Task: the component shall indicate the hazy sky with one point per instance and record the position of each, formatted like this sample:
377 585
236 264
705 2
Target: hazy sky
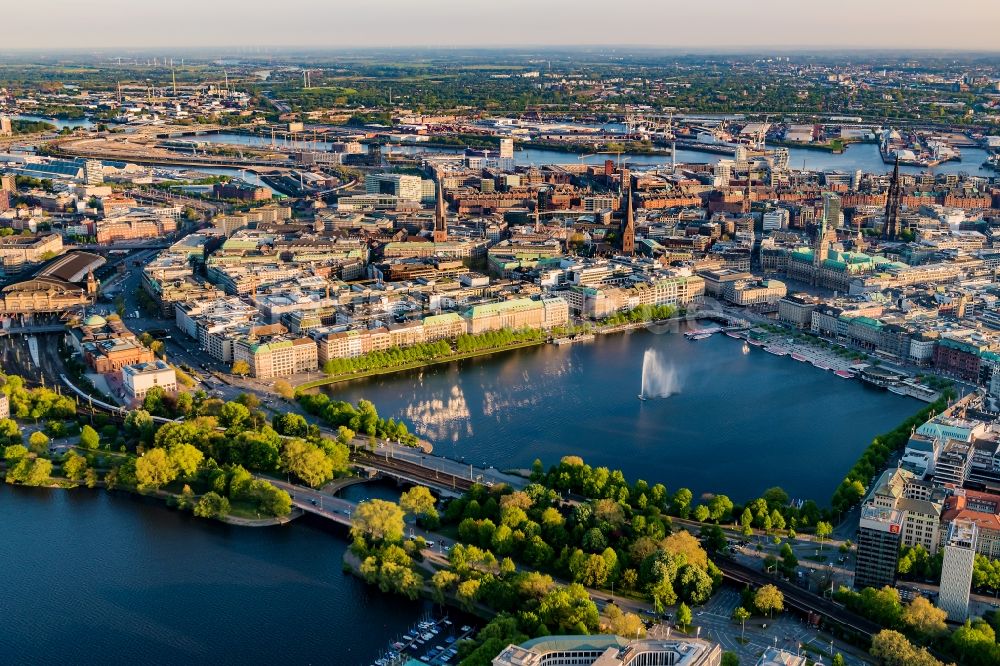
706 24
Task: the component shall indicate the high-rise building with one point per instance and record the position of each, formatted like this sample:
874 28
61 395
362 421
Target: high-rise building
831 211
6 126
8 182
956 569
879 534
507 148
93 172
402 186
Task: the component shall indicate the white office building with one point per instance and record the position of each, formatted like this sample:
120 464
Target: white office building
956 569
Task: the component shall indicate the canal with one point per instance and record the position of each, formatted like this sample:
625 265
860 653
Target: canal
733 423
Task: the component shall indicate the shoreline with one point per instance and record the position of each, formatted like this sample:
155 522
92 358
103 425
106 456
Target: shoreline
415 365
164 497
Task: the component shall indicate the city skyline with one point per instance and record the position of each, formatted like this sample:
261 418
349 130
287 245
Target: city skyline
781 25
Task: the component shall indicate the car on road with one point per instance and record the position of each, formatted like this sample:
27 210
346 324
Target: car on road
313 502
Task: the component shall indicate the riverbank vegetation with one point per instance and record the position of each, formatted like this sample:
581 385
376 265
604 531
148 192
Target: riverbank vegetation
873 460
362 419
433 352
641 314
200 464
972 644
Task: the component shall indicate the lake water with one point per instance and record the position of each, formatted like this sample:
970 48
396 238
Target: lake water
737 424
93 577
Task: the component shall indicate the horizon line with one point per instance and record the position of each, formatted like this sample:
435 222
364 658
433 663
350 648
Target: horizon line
756 49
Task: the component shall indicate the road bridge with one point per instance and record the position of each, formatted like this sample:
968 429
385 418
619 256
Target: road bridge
32 330
99 247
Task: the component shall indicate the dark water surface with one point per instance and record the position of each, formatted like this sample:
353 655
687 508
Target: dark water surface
93 577
738 424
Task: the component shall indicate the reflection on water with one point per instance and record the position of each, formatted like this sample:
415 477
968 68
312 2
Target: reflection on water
743 422
441 417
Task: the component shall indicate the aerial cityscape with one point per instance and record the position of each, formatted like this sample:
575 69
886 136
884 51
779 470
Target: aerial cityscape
604 336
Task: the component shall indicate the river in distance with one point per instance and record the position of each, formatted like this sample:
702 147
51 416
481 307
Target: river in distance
733 423
95 577
864 156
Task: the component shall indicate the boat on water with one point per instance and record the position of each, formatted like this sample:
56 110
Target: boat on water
583 337
701 333
746 348
777 351
843 374
735 336
643 398
820 366
881 377
799 357
756 343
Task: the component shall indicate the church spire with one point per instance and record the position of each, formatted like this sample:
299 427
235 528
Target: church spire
892 201
628 231
440 215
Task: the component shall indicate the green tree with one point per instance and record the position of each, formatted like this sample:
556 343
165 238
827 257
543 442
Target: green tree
306 461
38 443
682 502
730 659
442 583
892 648
379 520
741 615
769 599
823 530
284 389
89 439
694 584
241 368
212 505
74 466
418 501
626 625
924 618
15 452
185 458
154 469
467 592
683 616
233 415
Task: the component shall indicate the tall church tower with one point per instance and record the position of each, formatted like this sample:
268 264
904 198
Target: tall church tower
892 202
440 216
628 230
